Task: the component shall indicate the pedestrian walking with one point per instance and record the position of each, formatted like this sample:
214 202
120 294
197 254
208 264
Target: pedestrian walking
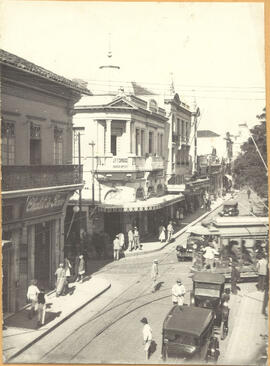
154 274
116 248
235 277
60 274
136 238
76 267
67 267
121 238
162 234
41 307
169 231
81 269
130 240
248 193
178 293
262 272
147 337
32 296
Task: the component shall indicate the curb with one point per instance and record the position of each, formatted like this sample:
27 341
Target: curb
181 231
56 325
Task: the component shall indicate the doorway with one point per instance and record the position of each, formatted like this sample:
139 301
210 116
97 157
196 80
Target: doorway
112 224
43 253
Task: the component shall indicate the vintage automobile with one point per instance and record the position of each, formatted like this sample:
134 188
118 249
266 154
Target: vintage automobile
230 208
208 289
188 332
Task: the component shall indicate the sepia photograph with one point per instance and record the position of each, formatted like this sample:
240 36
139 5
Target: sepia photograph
134 183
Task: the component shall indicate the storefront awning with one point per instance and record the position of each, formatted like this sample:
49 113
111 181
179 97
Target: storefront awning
150 204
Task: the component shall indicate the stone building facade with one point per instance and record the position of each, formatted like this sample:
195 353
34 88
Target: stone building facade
129 163
38 177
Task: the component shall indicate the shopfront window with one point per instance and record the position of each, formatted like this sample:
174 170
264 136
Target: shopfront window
8 142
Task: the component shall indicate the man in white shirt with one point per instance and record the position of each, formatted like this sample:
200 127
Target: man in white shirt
209 255
147 337
262 272
178 293
32 296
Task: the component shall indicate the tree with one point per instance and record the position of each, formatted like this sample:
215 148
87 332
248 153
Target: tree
248 168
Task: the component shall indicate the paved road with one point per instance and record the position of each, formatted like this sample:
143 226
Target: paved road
109 329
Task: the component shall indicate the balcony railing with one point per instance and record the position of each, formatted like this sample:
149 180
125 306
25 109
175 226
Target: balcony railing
131 163
15 177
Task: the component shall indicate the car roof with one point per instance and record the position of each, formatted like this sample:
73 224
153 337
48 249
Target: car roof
230 203
209 277
188 319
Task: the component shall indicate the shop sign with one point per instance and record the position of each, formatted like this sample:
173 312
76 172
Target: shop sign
41 205
120 163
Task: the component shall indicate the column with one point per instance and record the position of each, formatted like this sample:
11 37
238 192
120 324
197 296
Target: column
108 137
133 138
128 136
61 234
139 143
31 250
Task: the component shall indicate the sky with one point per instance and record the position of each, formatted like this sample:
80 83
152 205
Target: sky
213 51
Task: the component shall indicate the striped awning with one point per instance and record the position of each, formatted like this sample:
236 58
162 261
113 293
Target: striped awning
151 204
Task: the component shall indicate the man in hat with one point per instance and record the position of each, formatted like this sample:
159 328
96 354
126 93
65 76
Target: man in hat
136 236
235 277
154 274
169 231
147 337
116 248
262 272
178 293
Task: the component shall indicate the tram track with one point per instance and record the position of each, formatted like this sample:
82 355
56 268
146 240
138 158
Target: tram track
120 301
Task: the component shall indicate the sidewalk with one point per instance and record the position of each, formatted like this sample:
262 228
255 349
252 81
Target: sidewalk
155 246
22 332
245 342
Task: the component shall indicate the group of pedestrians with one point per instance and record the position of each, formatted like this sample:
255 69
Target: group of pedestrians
119 244
163 236
36 296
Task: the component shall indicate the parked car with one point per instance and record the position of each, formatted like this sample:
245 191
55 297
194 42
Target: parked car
208 289
230 208
188 332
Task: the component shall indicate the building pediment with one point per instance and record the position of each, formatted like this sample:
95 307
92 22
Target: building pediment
121 103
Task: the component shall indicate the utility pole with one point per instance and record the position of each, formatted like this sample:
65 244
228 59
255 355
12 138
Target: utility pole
80 191
77 134
92 144
196 114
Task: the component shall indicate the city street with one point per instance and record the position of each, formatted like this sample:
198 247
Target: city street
109 329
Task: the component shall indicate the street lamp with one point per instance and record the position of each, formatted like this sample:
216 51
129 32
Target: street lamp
76 209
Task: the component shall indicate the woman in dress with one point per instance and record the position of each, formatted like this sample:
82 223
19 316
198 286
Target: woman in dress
60 279
67 267
162 234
